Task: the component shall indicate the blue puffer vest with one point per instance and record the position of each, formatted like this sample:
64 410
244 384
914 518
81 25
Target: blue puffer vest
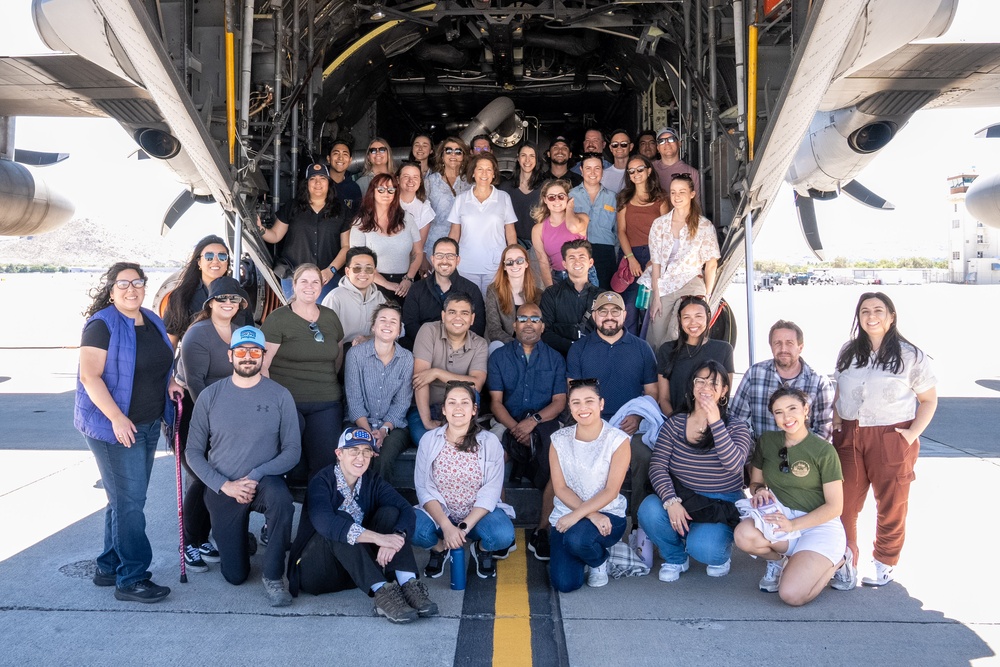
119 371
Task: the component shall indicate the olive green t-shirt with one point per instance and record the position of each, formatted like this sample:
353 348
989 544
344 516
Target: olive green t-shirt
812 463
302 365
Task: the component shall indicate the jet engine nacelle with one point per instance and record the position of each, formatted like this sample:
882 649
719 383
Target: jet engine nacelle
27 205
983 200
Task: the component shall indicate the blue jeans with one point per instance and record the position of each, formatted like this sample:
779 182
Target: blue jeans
494 531
125 475
416 425
708 543
579 546
633 319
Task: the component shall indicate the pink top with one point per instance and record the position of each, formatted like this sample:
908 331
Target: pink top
458 477
553 238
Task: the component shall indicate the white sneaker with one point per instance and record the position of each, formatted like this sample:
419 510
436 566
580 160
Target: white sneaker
598 576
719 570
883 575
845 578
672 571
769 582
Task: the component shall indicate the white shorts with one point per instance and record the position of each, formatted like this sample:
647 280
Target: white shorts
827 539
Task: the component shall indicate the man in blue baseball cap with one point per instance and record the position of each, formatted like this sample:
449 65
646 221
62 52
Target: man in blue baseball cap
668 145
254 430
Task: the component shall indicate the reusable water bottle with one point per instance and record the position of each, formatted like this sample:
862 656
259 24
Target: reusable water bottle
458 568
642 298
644 547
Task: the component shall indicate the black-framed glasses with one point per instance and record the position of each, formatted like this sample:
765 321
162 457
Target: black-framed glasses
378 149
534 319
783 453
209 256
231 298
557 197
252 352
454 151
317 334
137 283
584 382
370 270
512 262
619 144
636 170
382 190
445 255
666 140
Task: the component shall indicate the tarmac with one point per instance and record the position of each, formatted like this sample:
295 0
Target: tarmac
942 610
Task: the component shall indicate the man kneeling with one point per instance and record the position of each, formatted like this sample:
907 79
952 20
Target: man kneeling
356 533
254 430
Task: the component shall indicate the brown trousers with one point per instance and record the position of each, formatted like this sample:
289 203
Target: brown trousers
876 457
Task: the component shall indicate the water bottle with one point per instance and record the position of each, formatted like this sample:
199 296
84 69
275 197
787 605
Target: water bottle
458 568
644 547
642 298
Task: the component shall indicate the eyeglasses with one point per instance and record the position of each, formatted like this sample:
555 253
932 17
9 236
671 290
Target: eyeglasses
667 140
317 334
783 453
378 149
454 151
382 190
685 174
481 149
636 170
252 352
359 269
209 256
619 144
445 255
138 283
534 319
355 452
584 382
706 382
558 197
512 262
231 298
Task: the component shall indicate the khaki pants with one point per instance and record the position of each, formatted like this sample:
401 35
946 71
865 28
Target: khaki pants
665 326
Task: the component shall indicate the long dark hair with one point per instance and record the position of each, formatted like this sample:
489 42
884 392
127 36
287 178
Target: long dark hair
859 349
177 317
678 345
430 157
332 207
694 214
654 190
715 372
469 442
439 165
536 174
366 221
101 294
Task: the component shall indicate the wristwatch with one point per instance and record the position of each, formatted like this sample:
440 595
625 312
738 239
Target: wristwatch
464 527
537 417
387 428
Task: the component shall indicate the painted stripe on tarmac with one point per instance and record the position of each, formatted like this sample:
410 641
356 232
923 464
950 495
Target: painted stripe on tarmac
512 634
474 647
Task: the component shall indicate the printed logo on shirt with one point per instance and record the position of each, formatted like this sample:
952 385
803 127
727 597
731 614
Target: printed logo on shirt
800 469
265 408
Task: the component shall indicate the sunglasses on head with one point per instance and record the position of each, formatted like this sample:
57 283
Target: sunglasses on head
378 149
666 140
685 174
124 284
244 352
783 453
636 170
534 319
454 151
512 262
585 382
556 197
231 298
317 334
209 256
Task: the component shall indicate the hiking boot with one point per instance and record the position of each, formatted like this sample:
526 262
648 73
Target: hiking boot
435 565
538 544
769 582
485 567
502 554
209 553
415 594
276 591
845 578
389 602
193 560
104 579
142 591
719 570
598 576
251 544
673 571
883 575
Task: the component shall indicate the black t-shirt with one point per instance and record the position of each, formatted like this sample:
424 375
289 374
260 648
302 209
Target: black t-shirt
522 203
686 361
312 237
153 358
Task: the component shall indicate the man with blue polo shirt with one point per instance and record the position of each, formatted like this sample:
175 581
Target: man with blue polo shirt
600 204
625 366
527 383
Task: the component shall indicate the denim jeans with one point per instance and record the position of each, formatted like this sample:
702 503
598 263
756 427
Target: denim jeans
633 319
708 543
416 425
494 531
579 546
125 475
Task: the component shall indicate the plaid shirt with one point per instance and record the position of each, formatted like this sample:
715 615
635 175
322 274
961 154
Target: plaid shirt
750 400
350 504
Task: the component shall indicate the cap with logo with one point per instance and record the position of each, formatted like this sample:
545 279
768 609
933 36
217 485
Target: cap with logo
357 437
317 169
558 140
248 335
608 299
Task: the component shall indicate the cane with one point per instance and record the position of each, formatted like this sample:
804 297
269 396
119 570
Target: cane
180 486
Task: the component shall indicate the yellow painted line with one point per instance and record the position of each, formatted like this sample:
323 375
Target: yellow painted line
353 48
512 623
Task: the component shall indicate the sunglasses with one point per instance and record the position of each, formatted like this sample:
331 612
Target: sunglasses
231 298
379 149
370 270
667 140
454 151
209 256
636 170
138 283
686 174
783 453
244 352
355 452
445 255
619 144
584 382
559 197
382 190
534 319
317 334
512 262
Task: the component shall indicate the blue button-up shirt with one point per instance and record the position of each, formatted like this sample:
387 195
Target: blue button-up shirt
603 213
528 384
623 368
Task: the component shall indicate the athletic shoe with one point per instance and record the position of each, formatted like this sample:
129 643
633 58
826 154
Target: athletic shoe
769 582
502 554
209 553
435 565
263 535
277 593
845 578
538 544
672 571
104 579
719 570
415 594
883 575
485 567
251 544
142 591
598 576
389 602
193 560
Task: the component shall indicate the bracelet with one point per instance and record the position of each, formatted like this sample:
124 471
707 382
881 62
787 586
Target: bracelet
759 487
673 501
406 277
629 255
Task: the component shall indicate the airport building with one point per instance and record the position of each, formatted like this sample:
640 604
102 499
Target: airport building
974 247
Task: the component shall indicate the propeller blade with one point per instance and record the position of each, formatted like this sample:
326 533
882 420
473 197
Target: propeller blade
806 210
38 158
863 195
180 206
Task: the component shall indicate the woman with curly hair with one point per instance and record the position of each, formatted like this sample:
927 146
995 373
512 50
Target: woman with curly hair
444 182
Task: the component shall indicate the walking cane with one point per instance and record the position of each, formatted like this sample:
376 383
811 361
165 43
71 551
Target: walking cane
180 486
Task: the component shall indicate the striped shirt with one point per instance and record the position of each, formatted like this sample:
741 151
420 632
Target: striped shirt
380 392
718 470
761 380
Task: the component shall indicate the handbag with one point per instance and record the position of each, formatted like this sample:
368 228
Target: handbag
622 277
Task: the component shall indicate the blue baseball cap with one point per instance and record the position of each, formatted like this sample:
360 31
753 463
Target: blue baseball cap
357 437
245 335
317 169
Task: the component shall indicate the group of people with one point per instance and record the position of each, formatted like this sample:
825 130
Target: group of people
385 345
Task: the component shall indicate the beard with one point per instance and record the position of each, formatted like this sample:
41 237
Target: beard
247 372
609 328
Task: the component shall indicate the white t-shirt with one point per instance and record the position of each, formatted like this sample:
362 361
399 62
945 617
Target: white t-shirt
483 225
586 465
420 212
393 251
613 179
877 397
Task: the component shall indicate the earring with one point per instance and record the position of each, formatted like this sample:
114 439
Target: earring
111 299
723 401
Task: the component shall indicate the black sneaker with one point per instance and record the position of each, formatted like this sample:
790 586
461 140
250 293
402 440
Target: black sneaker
209 553
389 602
104 579
142 591
415 594
193 560
263 535
252 544
502 554
538 544
435 566
485 567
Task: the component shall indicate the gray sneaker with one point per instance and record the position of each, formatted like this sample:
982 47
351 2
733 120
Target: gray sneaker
415 594
389 602
277 593
846 578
